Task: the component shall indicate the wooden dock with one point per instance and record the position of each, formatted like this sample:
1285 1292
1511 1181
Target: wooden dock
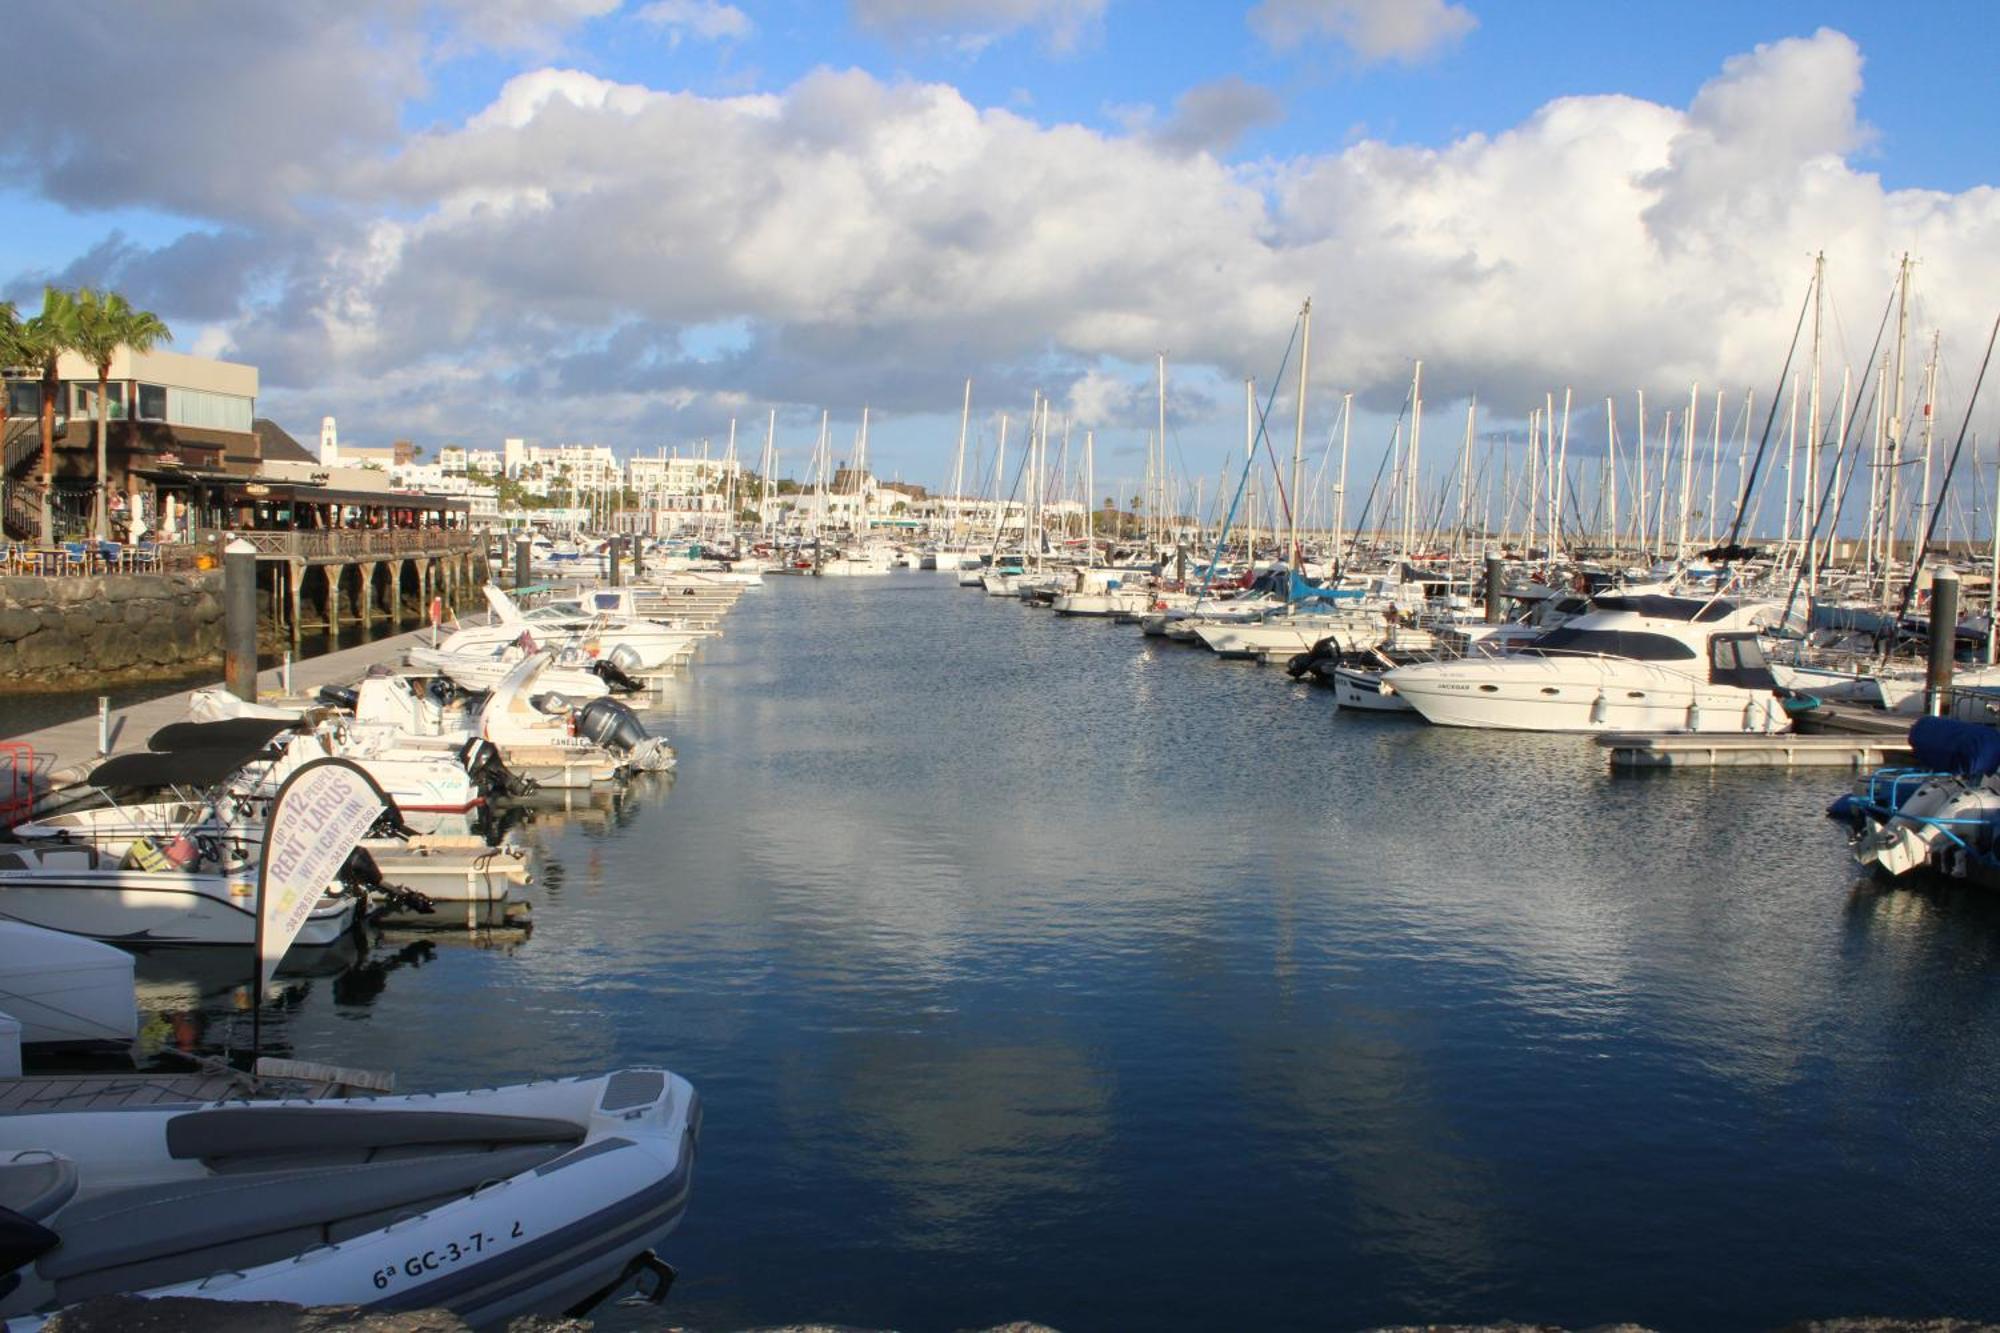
1728 750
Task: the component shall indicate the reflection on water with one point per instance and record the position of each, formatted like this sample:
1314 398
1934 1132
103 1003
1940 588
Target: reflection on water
1032 969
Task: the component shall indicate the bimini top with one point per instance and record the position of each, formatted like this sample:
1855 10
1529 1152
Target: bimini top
191 754
1661 607
246 734
180 768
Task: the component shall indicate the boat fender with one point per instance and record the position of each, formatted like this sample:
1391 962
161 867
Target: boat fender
1599 708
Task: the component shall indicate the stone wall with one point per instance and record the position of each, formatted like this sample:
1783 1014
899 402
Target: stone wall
74 633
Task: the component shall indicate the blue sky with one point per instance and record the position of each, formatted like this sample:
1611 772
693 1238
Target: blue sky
339 197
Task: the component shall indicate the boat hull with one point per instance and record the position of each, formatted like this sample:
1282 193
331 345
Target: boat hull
1568 694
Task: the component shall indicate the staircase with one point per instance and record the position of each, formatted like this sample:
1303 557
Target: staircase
21 511
21 514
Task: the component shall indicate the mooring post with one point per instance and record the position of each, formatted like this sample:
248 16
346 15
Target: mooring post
103 725
239 619
521 549
1493 590
285 676
638 558
615 549
1944 639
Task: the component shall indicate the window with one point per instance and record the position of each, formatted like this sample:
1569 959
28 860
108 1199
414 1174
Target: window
211 411
1629 644
152 402
24 398
83 401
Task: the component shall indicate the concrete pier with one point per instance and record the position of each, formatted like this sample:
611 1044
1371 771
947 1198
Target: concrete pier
66 752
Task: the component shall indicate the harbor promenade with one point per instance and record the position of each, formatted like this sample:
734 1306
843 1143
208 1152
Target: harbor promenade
66 752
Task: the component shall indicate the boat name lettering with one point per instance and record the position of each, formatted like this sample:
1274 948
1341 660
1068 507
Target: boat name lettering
444 1256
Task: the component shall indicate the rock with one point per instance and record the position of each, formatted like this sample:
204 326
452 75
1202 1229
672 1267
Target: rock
1873 1323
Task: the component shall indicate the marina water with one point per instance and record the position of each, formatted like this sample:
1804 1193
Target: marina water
1032 969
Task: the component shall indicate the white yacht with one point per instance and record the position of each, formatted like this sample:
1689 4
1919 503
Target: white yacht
1649 663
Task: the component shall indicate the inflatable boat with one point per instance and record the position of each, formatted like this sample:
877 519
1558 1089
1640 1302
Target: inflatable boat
537 1198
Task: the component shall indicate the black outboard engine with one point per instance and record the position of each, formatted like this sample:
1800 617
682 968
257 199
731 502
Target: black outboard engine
488 771
613 675
617 728
611 724
339 696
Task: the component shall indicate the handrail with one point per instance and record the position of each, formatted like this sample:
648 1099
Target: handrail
351 543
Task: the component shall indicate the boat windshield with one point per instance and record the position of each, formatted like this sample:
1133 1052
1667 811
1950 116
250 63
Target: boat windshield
1632 645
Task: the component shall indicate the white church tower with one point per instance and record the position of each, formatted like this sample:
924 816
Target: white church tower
329 443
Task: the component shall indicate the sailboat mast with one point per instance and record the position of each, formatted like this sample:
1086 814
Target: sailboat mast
1925 504
1089 506
1465 477
1299 429
1340 486
1895 435
958 467
1156 487
1808 518
1416 438
1611 457
769 464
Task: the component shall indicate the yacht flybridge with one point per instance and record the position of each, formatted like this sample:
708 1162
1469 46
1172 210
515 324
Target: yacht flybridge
1632 663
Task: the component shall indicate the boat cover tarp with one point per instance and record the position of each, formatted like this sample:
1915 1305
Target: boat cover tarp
181 768
1303 590
1943 744
245 734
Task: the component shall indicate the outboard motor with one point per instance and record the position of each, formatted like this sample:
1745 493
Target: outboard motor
339 696
482 761
613 675
617 728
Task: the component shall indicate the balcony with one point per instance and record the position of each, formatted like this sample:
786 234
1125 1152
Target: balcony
344 545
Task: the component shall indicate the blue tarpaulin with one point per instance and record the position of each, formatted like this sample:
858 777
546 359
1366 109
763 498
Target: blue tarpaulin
1969 749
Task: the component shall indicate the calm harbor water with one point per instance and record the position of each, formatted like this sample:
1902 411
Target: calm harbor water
1030 969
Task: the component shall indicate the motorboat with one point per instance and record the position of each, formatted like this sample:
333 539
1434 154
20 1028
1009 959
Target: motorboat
80 891
850 562
1645 663
574 673
634 646
452 880
491 1203
1941 814
66 992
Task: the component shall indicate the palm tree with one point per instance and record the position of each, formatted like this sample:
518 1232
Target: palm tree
105 321
43 340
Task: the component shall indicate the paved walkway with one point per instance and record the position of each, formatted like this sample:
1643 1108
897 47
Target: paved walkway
64 751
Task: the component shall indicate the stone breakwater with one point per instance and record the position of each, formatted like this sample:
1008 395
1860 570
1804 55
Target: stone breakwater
75 633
